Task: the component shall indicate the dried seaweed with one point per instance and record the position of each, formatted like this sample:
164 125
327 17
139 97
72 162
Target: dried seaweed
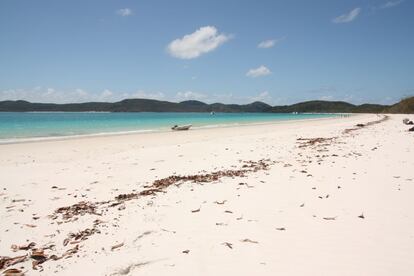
16 248
72 212
39 257
78 209
13 272
359 126
117 246
320 141
9 261
229 245
249 241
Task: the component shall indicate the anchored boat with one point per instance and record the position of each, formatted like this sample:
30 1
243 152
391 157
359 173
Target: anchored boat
183 127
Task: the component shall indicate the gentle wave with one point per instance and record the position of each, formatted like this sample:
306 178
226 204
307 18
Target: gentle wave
40 126
65 137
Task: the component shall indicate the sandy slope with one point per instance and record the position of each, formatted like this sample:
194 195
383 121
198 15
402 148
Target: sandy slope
315 192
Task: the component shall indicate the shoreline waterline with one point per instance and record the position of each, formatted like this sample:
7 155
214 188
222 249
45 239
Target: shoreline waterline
24 140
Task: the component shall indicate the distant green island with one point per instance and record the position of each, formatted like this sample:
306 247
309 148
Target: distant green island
147 105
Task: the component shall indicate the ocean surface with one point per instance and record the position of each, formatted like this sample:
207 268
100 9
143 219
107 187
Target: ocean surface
16 126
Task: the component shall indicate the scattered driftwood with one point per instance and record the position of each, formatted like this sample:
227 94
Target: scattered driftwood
82 208
229 245
117 246
30 225
249 166
9 261
127 270
68 254
38 255
249 241
329 218
186 251
220 202
359 126
196 210
16 248
411 129
13 272
361 216
281 229
78 209
307 142
72 212
81 235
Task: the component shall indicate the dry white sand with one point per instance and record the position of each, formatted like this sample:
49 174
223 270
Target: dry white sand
298 217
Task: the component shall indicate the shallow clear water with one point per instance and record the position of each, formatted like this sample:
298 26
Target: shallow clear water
18 125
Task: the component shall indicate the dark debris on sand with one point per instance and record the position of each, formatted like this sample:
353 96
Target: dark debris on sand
78 209
71 213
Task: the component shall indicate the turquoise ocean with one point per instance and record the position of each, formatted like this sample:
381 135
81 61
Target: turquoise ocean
17 126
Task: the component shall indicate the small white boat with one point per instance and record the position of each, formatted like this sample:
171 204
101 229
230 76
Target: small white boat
184 127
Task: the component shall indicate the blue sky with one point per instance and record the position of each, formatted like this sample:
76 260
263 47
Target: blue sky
232 51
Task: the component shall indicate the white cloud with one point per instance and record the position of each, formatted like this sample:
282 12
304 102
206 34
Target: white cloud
202 41
81 94
230 98
259 71
124 12
269 43
190 95
391 4
52 95
223 98
105 95
263 96
148 95
347 17
326 98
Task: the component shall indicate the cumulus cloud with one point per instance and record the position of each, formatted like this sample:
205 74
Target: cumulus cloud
41 94
124 12
269 43
204 40
230 98
190 95
258 72
326 98
52 95
263 96
391 4
347 17
223 98
148 95
106 95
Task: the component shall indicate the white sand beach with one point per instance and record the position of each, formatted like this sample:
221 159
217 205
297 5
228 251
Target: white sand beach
250 200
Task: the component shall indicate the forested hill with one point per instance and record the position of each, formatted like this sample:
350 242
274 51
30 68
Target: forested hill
147 105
